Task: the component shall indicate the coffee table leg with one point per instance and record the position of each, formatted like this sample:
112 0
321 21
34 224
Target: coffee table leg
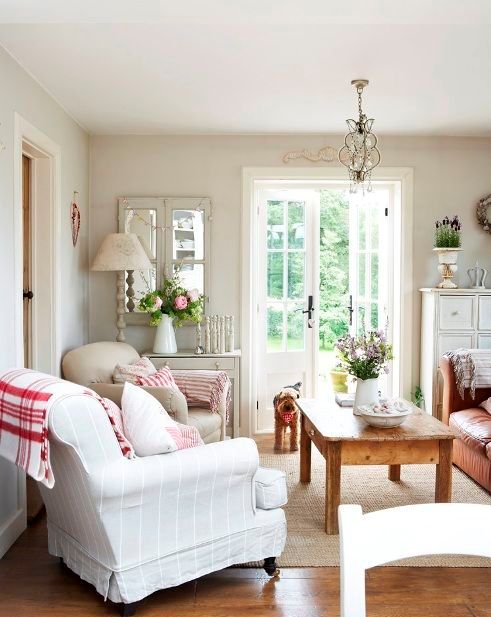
305 452
443 481
333 485
394 473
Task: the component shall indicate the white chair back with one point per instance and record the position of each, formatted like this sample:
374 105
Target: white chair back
368 540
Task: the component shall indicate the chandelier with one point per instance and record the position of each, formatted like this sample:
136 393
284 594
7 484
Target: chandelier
360 153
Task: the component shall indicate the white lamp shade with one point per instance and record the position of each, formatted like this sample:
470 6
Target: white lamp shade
121 252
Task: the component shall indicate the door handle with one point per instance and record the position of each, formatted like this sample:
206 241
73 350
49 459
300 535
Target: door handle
27 294
351 310
309 311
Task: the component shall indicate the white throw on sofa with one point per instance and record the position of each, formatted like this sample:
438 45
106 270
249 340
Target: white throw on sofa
131 527
92 365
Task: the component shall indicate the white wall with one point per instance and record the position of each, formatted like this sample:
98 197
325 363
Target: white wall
450 175
21 94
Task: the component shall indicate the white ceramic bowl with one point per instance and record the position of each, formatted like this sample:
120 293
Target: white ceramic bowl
386 419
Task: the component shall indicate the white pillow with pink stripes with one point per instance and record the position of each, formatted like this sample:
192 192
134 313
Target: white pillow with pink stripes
150 428
162 377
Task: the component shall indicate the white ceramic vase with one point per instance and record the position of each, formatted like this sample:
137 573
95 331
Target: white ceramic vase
447 266
165 337
366 393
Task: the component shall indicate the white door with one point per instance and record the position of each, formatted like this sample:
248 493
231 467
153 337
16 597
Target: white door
288 230
370 271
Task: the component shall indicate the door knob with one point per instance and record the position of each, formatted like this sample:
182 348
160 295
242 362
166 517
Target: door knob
27 294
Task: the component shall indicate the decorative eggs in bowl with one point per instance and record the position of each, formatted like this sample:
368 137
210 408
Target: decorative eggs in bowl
386 413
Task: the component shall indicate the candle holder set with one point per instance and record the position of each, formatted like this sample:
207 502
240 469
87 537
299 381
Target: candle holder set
219 335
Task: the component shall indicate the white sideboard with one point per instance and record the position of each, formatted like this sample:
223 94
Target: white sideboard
227 362
450 318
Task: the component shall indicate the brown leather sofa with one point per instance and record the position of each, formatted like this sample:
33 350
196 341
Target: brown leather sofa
472 449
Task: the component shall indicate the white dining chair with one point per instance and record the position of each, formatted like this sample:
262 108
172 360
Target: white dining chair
368 540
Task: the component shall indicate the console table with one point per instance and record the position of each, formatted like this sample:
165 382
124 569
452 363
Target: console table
227 362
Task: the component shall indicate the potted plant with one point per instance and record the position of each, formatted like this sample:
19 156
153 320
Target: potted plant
448 243
339 378
170 307
365 357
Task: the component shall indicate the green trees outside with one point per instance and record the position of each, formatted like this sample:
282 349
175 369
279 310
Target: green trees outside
334 267
286 226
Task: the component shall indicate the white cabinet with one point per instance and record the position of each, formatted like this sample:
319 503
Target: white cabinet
450 318
228 362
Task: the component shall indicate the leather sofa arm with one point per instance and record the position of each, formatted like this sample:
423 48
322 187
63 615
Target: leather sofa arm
171 399
451 399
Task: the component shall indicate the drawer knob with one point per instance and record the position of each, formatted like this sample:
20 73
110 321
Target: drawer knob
217 364
312 432
455 312
166 364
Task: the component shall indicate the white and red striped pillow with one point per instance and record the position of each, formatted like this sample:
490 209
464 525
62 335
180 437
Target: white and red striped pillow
116 419
162 377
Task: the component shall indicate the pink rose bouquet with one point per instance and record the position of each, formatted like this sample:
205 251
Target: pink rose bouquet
174 300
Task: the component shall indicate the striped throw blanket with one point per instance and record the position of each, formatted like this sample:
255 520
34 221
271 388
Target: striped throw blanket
472 369
26 398
204 388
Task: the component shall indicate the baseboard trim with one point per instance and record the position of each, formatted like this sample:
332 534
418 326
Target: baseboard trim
11 530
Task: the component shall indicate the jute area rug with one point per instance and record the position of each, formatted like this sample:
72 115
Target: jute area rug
308 545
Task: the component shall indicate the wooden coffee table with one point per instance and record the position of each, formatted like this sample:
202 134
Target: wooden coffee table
345 439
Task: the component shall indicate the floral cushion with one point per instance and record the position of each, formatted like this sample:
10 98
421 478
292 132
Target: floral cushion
133 372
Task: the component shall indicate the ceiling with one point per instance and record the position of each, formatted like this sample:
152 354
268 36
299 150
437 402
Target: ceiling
285 66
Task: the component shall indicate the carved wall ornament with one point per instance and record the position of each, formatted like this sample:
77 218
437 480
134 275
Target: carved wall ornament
327 154
482 213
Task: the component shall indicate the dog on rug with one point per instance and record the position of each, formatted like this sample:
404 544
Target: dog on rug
286 415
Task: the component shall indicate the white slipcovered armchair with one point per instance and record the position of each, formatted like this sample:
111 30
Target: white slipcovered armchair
92 365
131 527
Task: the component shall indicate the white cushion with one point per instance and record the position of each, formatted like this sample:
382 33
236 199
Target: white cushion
145 422
270 488
486 405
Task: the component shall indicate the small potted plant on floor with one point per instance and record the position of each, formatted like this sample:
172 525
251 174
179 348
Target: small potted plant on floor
365 357
339 378
447 245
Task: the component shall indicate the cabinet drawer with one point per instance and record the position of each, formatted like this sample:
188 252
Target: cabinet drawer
484 318
449 342
213 364
457 312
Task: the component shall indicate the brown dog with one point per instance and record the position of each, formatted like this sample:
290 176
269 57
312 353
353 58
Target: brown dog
286 415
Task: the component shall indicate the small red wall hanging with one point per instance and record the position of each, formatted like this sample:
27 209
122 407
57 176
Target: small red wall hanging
75 218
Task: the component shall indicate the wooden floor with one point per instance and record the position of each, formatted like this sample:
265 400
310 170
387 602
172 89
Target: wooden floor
34 584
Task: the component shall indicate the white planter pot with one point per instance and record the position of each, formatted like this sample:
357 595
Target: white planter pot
366 393
165 337
447 266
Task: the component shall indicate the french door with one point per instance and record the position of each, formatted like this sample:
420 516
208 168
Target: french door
324 270
286 285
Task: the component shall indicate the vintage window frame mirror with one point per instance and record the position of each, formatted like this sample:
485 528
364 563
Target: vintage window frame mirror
161 223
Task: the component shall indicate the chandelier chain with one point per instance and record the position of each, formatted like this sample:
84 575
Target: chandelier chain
359 90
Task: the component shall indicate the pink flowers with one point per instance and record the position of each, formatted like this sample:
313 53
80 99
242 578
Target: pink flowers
157 303
193 295
180 302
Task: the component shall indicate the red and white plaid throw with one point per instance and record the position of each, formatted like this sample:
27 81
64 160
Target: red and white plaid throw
26 398
204 388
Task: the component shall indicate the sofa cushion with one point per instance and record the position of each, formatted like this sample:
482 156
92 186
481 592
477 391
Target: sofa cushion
162 377
270 488
473 427
205 421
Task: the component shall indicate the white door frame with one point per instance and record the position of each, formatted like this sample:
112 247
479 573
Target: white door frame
46 157
255 177
46 276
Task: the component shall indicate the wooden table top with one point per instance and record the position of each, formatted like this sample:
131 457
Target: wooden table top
336 423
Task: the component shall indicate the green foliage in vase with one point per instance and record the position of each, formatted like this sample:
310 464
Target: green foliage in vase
448 233
174 300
